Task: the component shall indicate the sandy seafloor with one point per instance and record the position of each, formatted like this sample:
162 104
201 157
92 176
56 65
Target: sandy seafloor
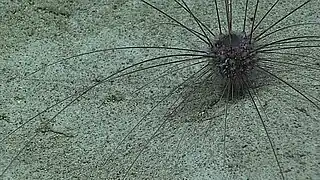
76 143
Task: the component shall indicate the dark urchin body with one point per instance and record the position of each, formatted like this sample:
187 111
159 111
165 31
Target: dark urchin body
234 56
